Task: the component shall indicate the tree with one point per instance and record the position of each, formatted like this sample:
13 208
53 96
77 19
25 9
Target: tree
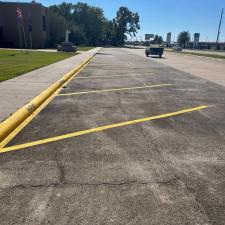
89 26
127 23
158 39
77 35
109 32
64 10
91 19
183 38
85 22
57 28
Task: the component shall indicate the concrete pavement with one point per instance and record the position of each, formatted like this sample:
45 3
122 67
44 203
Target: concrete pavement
207 68
168 171
18 91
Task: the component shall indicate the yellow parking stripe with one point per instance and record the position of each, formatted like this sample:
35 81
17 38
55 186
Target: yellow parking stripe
39 109
114 76
98 129
116 89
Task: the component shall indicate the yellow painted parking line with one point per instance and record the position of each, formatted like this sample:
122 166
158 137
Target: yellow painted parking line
114 76
116 89
38 110
98 129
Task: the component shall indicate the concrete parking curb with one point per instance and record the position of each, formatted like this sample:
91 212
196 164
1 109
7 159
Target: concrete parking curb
11 123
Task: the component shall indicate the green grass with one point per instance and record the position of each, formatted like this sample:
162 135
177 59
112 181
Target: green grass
210 55
14 63
83 48
204 54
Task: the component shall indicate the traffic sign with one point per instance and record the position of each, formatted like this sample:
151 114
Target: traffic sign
148 36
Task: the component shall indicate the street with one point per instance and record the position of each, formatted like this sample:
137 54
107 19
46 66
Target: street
129 140
208 68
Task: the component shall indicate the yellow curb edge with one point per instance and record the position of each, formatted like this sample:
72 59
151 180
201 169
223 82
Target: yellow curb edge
12 122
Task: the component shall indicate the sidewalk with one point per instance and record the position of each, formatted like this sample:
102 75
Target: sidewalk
16 92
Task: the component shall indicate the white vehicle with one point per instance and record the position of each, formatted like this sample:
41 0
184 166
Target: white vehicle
177 48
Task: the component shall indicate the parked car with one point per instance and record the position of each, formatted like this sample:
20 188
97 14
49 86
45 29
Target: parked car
154 50
177 48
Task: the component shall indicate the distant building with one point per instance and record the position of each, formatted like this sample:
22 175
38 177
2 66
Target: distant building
168 39
35 19
208 45
196 40
203 45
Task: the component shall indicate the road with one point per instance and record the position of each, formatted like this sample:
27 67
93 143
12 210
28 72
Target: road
128 141
208 68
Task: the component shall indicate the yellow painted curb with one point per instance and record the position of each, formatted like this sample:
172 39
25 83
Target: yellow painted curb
10 124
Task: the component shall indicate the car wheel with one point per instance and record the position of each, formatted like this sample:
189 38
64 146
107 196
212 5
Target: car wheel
146 53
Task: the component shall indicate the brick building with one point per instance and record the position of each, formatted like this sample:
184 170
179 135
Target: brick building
33 14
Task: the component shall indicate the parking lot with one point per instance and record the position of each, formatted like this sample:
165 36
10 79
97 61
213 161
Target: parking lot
128 141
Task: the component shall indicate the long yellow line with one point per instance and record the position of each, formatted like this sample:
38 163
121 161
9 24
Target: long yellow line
38 110
98 129
41 107
116 89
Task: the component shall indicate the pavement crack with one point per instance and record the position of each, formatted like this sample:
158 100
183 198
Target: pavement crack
60 168
23 186
173 171
59 184
193 194
124 183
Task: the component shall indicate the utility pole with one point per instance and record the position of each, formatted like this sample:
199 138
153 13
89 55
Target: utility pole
218 34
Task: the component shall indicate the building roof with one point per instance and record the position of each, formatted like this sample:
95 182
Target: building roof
20 3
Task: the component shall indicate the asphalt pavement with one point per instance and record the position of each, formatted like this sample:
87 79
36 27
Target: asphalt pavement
16 92
128 141
208 68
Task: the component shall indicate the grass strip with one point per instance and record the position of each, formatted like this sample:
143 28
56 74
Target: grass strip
210 55
14 62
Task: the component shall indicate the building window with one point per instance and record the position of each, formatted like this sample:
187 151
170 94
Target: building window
1 33
44 23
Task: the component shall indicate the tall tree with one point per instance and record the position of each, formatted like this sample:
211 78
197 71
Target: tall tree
109 32
57 28
64 10
77 35
127 23
183 38
158 39
91 19
89 26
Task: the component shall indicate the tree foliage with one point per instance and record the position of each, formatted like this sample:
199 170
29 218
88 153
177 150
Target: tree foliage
89 26
64 10
57 28
157 39
183 38
126 23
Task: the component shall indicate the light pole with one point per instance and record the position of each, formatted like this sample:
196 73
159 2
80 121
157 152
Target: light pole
218 34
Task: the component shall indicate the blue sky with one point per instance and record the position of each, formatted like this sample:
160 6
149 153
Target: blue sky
162 16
